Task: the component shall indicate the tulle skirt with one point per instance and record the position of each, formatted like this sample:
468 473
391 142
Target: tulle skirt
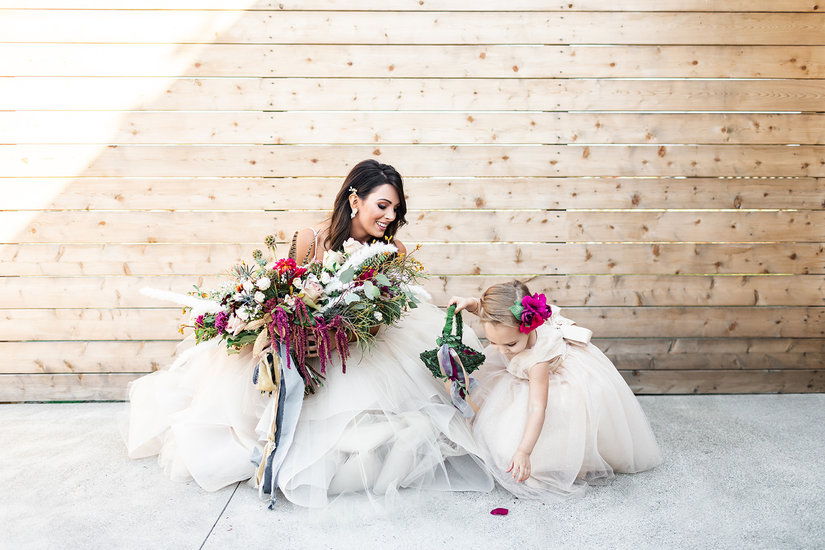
385 425
593 426
199 416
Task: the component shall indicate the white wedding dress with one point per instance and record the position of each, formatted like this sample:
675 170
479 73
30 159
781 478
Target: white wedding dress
385 425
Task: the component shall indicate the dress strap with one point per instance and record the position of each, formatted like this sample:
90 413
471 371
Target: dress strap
293 249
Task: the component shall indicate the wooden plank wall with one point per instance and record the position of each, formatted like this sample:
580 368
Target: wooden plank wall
654 165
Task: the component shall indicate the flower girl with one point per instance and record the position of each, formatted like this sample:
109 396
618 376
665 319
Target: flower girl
555 415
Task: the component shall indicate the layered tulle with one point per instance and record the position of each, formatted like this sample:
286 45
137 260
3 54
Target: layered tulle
199 416
593 423
385 425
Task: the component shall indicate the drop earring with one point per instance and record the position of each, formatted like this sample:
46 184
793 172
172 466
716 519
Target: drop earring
354 212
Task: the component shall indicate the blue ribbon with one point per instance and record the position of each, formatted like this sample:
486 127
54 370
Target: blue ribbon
290 401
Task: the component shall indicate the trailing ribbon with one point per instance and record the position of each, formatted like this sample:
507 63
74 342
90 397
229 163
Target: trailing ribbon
457 393
285 408
461 384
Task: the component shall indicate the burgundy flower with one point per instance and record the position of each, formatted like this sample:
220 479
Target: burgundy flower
535 312
221 319
199 321
367 275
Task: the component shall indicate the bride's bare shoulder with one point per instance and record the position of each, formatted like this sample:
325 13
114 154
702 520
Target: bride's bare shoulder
306 239
400 246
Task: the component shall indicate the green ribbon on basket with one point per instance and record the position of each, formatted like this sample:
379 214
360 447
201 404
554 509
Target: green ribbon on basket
470 358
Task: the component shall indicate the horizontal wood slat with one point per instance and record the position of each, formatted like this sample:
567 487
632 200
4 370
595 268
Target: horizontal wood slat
621 322
377 27
439 259
432 5
422 193
412 160
590 290
713 353
402 128
628 353
426 226
217 60
85 357
64 387
406 94
690 382
74 387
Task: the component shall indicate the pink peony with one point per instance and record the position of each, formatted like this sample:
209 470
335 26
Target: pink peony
535 312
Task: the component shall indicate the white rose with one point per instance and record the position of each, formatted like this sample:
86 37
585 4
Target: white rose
351 245
243 313
378 316
325 277
260 297
235 325
333 259
248 285
264 283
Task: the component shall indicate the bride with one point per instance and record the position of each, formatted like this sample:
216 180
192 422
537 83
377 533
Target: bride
384 425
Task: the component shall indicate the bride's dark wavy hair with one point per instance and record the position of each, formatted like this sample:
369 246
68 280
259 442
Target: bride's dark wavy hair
364 178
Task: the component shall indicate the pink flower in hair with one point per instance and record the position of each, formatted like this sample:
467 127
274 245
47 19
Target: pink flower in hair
531 312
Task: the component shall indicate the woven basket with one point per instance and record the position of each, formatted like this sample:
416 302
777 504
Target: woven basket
470 358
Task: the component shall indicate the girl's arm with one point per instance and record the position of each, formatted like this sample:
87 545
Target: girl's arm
473 305
539 377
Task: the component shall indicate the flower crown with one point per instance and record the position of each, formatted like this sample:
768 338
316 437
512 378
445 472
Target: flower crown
531 311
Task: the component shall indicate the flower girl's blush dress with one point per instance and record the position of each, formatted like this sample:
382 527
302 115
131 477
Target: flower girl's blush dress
593 423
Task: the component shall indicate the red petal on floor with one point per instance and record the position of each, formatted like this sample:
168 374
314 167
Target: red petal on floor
499 511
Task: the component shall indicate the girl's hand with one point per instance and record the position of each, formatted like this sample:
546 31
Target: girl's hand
470 304
520 466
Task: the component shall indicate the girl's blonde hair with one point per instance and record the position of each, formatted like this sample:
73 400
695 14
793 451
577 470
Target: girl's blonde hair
497 301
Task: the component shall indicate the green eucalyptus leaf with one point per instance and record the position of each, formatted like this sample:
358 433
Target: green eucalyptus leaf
371 291
347 275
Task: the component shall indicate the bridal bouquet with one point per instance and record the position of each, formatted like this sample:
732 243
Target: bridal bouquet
275 302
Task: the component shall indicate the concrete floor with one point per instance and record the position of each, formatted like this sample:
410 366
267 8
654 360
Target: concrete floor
739 472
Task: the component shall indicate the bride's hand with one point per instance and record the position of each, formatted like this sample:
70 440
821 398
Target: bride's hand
470 304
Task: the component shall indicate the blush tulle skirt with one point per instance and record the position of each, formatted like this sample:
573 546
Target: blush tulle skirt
594 426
